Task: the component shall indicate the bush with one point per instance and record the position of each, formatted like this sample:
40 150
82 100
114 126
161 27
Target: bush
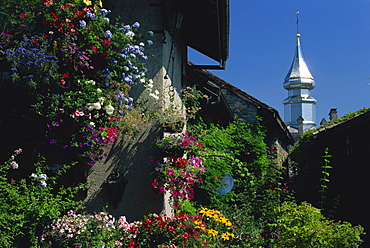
28 205
304 226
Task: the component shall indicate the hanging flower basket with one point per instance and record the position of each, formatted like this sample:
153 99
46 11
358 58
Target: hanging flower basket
173 127
174 152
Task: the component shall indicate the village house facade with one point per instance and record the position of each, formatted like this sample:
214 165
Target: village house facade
200 24
224 101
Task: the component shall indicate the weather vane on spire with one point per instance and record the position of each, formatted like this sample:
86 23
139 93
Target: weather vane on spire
297 13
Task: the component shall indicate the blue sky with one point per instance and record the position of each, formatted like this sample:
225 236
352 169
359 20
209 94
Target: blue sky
335 40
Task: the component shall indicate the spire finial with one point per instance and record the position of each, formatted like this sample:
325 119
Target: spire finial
297 13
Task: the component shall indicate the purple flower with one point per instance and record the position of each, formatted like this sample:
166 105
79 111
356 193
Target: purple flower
82 24
136 25
108 34
104 12
91 15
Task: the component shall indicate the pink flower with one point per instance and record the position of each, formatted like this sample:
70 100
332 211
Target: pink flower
77 114
14 165
171 228
170 172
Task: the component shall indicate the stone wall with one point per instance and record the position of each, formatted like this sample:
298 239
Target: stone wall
130 156
240 107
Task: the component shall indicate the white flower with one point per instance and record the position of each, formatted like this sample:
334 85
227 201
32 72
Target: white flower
90 106
99 90
33 175
109 109
14 165
141 44
92 82
125 68
42 176
97 105
130 34
43 183
101 100
92 124
151 33
150 42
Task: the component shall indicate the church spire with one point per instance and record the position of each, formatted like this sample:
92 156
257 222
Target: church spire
299 105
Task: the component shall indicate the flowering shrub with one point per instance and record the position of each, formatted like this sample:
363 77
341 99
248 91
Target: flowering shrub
78 68
162 231
178 176
103 230
97 230
29 204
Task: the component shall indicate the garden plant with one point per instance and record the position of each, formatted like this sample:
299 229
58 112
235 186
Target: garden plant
76 67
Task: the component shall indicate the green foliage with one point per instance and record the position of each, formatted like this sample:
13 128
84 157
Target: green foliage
240 150
325 178
29 204
345 117
304 226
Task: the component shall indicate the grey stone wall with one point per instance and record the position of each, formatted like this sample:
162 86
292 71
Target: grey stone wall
240 107
130 156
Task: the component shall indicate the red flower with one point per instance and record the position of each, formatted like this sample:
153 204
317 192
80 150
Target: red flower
106 42
54 16
172 229
179 161
24 15
35 41
132 244
95 50
65 75
105 54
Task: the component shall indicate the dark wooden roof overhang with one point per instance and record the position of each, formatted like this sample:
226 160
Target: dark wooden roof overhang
206 26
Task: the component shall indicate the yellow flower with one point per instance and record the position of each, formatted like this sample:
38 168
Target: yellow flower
87 2
212 232
225 236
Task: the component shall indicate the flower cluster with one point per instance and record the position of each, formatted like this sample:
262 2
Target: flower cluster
97 230
103 230
217 224
182 141
178 176
14 165
41 179
163 231
77 64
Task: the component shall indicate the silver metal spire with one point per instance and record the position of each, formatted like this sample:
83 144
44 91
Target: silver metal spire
299 82
298 75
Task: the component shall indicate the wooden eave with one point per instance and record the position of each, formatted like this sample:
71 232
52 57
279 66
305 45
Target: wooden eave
206 27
